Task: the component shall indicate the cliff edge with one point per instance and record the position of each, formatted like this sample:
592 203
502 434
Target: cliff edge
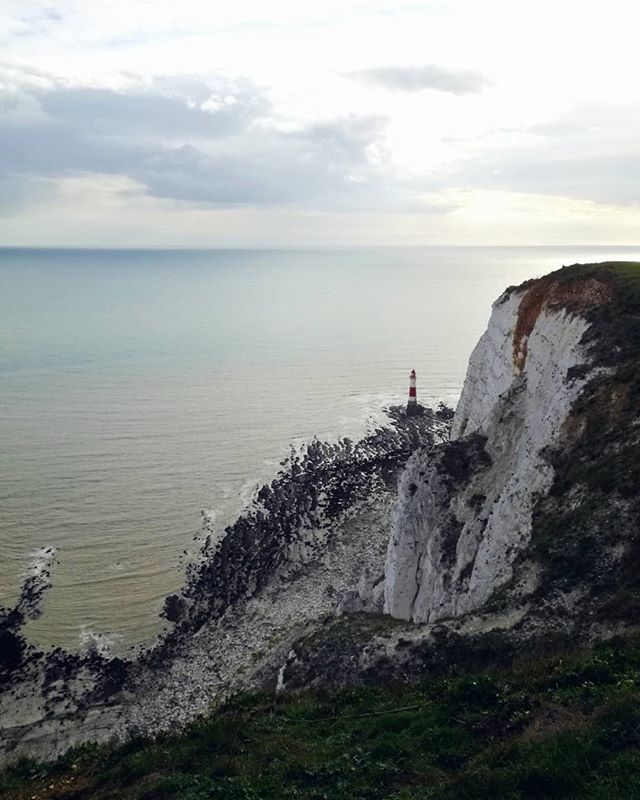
535 492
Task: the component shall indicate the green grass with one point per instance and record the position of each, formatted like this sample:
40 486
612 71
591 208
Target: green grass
557 728
625 275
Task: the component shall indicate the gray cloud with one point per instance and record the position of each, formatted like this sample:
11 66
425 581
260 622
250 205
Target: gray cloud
415 79
612 178
588 153
214 141
319 164
216 109
197 141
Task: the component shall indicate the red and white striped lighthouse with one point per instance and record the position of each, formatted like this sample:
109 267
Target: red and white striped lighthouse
412 405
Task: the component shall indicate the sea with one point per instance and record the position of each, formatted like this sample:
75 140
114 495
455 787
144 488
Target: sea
143 389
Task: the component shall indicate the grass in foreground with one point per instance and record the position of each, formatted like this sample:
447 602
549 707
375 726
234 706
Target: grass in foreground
562 728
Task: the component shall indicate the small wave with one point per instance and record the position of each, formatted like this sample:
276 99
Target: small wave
36 581
40 562
369 411
209 532
99 643
208 519
248 491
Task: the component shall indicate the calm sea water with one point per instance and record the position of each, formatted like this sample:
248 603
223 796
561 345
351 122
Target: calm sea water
139 387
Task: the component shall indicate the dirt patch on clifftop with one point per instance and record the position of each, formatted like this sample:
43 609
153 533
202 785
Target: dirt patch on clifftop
577 297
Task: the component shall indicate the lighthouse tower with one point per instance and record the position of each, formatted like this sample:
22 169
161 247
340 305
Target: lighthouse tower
412 405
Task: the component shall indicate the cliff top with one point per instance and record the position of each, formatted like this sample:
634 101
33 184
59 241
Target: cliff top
581 287
623 275
606 293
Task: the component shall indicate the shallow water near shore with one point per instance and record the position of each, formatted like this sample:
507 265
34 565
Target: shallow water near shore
139 387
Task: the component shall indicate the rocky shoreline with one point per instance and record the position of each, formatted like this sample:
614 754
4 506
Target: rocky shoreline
311 544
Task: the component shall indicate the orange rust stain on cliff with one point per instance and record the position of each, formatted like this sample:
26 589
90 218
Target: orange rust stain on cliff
577 297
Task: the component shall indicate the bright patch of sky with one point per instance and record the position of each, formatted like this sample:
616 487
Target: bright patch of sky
189 123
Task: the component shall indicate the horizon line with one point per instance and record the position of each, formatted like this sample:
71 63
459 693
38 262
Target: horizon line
206 248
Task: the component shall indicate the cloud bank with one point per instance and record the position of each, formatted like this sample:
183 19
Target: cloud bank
196 140
589 152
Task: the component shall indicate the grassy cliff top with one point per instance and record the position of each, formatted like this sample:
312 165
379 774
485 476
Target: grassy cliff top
624 274
567 727
606 293
618 270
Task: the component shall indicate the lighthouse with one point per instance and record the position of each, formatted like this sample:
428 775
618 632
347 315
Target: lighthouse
412 405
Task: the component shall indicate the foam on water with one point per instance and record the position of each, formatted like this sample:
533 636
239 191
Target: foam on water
40 562
99 643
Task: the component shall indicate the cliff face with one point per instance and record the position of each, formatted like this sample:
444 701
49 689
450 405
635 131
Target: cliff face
464 515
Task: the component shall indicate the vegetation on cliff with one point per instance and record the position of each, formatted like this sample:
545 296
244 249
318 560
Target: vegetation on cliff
587 531
565 727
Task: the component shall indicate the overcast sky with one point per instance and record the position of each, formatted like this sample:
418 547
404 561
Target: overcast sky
158 122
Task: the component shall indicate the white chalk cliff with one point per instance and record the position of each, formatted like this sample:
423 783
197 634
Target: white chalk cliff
464 508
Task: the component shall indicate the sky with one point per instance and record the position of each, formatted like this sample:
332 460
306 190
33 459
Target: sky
244 123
